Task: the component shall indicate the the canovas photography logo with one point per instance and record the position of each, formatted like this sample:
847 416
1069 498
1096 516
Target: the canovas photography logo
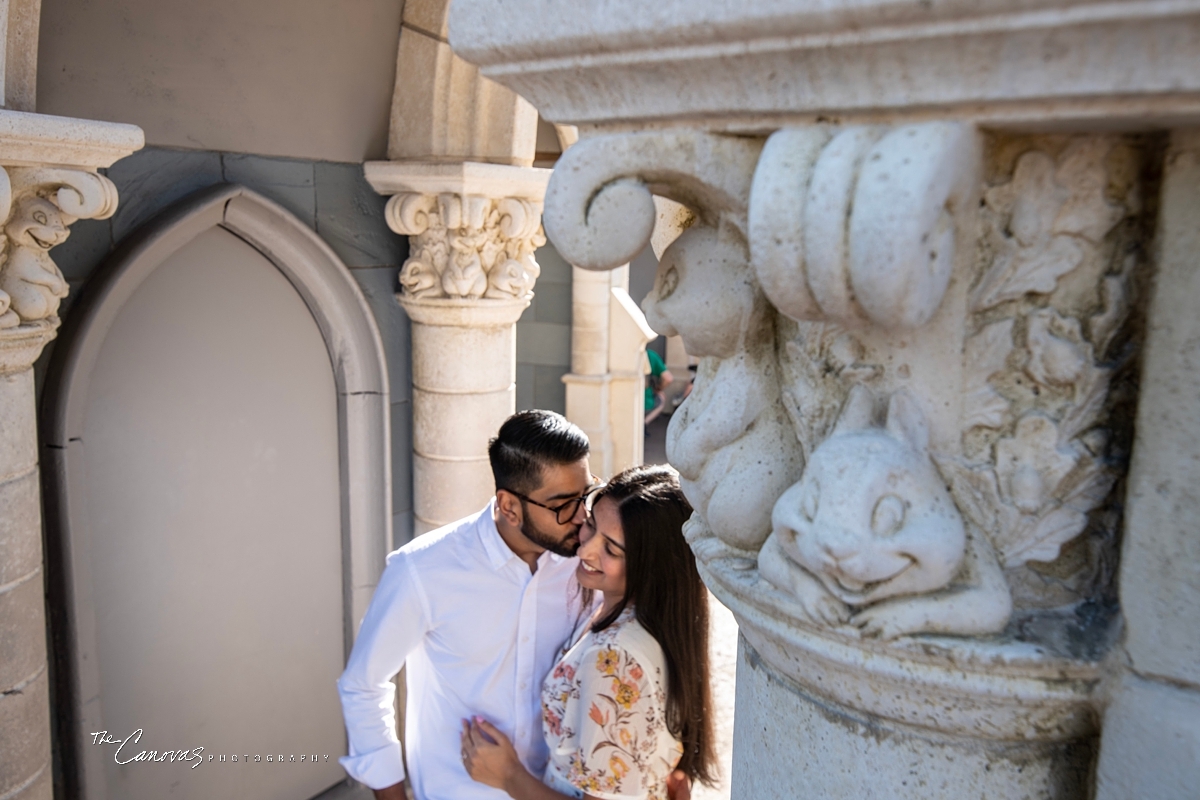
130 750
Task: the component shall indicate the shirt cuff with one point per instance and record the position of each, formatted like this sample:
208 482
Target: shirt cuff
377 769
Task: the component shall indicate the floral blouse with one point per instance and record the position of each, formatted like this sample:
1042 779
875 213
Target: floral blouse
604 716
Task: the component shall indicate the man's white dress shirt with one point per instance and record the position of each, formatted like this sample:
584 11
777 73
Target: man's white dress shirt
479 633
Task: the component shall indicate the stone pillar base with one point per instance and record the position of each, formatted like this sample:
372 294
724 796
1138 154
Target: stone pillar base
791 744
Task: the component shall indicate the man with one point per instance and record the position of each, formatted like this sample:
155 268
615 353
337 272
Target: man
480 610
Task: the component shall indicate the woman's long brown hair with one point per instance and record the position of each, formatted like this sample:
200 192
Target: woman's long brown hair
670 601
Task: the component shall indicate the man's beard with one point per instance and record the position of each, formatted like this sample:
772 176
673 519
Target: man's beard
561 547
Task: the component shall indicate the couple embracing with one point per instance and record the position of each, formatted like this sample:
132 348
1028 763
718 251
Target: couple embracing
556 642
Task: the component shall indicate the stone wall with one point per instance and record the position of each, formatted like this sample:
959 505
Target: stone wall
544 337
332 198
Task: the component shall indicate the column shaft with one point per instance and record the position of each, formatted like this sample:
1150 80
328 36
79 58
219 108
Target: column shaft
1151 741
463 389
24 691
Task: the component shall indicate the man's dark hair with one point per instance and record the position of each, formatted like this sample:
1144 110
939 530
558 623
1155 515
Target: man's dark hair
528 443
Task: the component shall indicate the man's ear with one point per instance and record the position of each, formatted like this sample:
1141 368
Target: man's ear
510 509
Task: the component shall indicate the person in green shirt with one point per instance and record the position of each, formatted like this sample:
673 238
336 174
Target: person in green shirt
658 379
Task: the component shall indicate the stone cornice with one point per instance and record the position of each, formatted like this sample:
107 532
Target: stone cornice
461 178
1004 62
42 139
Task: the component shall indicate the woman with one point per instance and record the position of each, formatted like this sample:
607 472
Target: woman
628 703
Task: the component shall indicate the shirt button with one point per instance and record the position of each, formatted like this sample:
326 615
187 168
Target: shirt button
524 685
524 638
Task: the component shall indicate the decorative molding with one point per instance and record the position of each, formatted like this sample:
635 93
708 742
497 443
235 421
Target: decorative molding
40 204
473 227
1001 62
40 139
904 396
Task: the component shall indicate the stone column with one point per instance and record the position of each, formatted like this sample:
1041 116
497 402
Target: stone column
609 334
473 229
39 200
1151 742
917 283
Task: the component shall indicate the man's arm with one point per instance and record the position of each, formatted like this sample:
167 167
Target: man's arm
394 625
394 792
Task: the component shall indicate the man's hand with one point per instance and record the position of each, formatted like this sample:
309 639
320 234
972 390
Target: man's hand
393 792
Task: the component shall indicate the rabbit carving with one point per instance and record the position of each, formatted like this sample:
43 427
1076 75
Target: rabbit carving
731 440
30 277
870 538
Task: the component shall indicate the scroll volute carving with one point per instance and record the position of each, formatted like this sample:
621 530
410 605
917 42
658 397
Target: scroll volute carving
39 204
731 440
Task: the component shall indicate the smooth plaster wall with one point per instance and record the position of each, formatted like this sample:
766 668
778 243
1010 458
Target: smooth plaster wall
333 199
300 78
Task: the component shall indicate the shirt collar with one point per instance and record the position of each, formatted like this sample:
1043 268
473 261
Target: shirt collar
499 553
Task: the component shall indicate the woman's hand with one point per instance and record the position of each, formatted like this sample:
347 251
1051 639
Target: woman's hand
488 754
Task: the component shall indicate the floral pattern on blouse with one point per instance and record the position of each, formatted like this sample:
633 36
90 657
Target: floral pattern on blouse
604 715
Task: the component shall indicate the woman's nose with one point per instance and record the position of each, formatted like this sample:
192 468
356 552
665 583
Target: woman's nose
587 535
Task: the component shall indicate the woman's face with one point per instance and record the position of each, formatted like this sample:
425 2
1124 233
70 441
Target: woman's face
602 551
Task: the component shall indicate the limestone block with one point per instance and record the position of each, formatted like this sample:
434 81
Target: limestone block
459 426
37 139
790 744
18 431
444 491
1151 744
24 735
20 55
428 15
439 364
1160 564
444 110
22 631
20 523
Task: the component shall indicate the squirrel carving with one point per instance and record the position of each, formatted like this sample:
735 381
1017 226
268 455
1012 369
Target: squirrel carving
731 440
870 538
29 277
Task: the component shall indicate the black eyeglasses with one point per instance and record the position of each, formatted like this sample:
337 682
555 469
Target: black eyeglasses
566 512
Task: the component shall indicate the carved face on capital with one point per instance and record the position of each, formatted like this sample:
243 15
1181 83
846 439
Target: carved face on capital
871 518
36 223
704 292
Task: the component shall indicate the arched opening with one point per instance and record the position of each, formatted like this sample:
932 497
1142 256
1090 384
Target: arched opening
218 505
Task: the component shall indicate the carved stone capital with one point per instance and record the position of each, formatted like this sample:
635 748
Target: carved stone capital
38 205
903 397
473 228
48 180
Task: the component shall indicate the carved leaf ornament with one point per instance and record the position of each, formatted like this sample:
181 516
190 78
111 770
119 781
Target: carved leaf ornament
467 246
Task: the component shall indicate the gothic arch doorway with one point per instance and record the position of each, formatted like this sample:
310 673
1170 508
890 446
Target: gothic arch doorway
218 503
